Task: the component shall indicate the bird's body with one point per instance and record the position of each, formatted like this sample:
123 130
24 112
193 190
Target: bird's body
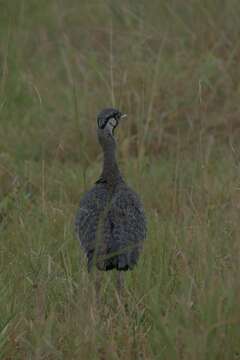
110 221
111 227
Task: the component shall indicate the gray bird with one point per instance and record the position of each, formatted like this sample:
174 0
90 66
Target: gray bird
110 221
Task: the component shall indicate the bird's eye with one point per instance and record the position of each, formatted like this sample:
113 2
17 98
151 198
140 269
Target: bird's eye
112 122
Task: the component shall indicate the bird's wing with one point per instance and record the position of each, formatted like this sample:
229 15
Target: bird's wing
128 226
87 223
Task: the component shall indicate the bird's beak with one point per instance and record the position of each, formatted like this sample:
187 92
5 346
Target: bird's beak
123 116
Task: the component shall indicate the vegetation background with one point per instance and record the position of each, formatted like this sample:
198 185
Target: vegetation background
173 67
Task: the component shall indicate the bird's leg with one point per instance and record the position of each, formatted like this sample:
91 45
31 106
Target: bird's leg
120 283
97 285
96 280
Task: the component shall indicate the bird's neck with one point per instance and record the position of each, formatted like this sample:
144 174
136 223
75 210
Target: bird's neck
110 172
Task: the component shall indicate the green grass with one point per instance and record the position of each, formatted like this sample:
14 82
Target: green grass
173 67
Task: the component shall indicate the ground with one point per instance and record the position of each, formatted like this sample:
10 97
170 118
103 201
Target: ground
173 68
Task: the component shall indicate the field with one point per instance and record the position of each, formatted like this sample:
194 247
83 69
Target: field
173 67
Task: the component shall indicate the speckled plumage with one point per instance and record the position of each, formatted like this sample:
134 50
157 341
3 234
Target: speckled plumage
110 221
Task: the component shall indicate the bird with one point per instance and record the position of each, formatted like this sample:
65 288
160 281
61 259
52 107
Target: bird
110 221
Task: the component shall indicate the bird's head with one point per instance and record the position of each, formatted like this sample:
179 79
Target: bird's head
107 120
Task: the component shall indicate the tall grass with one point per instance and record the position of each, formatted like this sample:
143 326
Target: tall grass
173 67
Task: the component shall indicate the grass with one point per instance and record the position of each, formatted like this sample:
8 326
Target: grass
174 69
